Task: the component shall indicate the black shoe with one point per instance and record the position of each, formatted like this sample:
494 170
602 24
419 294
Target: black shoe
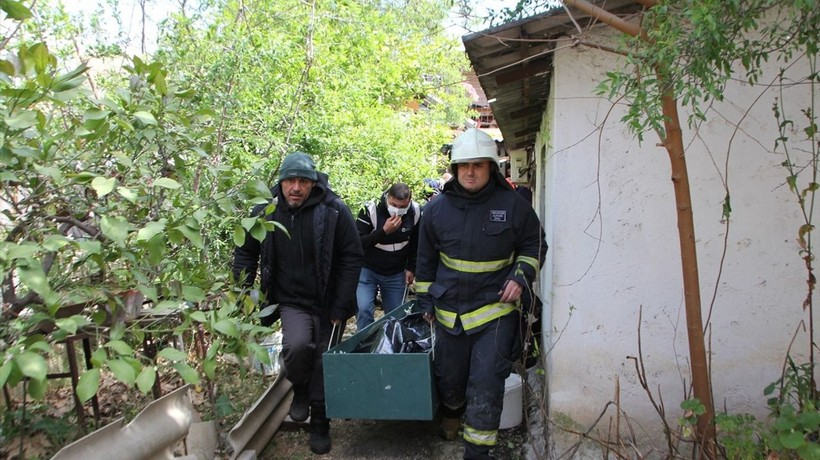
300 406
319 430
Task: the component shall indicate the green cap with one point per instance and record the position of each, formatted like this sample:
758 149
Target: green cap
298 164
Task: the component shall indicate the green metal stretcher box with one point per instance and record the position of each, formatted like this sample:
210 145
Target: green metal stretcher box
373 386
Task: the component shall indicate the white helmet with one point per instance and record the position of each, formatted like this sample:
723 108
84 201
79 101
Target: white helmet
473 145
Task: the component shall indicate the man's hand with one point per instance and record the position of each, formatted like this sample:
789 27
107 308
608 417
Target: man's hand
511 292
429 317
335 322
409 277
392 224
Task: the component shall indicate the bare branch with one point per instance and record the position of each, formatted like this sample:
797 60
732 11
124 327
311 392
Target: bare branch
95 232
607 18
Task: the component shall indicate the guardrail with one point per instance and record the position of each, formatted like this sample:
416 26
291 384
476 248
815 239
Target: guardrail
256 428
156 431
153 434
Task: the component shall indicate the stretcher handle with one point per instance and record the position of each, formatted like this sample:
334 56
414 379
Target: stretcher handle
333 336
433 340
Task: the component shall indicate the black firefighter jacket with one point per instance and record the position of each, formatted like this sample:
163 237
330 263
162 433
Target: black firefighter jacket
469 245
337 254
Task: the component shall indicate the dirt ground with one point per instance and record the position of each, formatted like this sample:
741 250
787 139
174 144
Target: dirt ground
382 440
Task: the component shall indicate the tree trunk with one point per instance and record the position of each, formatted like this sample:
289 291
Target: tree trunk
689 264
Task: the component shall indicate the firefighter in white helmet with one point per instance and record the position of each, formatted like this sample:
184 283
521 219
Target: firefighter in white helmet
480 247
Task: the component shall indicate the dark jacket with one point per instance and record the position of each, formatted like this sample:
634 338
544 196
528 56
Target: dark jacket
388 254
325 282
469 246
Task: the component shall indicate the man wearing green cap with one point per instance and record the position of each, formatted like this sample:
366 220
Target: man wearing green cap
311 272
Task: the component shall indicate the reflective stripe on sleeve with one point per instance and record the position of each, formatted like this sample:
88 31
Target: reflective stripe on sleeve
528 260
469 266
422 287
446 318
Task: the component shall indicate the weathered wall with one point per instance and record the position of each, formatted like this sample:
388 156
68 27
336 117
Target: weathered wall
609 211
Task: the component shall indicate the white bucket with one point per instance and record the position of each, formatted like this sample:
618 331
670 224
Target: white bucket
512 412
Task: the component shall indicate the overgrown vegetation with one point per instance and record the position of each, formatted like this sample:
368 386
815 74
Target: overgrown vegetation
124 190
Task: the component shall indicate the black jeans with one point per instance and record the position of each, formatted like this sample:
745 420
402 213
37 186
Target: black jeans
304 338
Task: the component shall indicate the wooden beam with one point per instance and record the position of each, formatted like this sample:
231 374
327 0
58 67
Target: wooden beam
532 68
525 131
523 145
527 111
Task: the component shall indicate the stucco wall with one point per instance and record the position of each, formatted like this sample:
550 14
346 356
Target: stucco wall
608 206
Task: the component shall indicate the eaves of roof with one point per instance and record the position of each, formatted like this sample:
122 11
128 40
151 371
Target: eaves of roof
514 61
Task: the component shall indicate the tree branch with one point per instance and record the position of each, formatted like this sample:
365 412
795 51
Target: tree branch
607 18
90 229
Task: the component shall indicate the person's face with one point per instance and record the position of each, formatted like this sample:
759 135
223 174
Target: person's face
396 206
296 190
473 176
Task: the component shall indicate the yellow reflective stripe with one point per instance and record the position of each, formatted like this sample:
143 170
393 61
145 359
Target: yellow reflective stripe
528 260
480 437
468 266
486 314
447 318
422 286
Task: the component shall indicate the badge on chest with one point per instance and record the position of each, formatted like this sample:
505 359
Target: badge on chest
498 215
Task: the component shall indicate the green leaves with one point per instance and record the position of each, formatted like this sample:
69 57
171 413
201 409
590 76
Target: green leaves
172 354
227 327
120 347
152 172
168 183
103 185
31 273
123 371
145 118
22 119
116 228
32 365
257 192
188 374
88 384
15 10
150 230
146 378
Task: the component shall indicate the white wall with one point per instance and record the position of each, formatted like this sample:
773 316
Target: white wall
608 206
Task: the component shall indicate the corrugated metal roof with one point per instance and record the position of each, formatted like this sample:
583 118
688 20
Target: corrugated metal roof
514 61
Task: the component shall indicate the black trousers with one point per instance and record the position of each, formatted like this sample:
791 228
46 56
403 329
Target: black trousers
470 371
305 337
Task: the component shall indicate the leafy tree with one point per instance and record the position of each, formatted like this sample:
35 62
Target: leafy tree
134 183
334 80
105 200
